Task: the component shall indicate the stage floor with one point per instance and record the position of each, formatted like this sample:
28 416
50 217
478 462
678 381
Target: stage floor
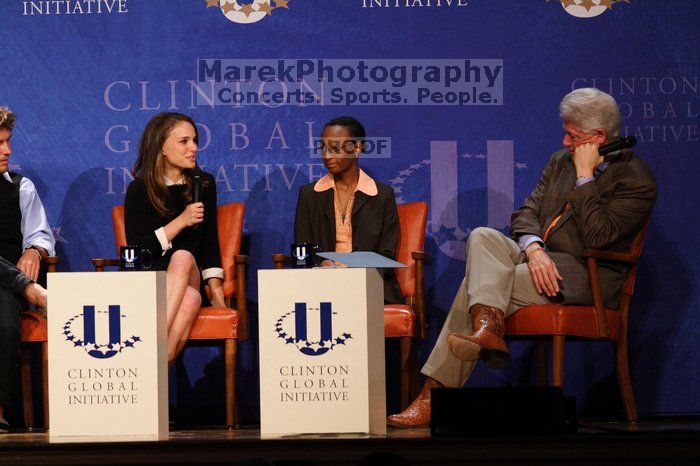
674 441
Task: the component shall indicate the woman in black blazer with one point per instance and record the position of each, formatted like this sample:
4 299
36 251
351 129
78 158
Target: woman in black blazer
346 210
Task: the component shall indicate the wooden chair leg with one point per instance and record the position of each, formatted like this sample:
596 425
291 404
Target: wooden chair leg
542 363
407 369
624 380
230 350
25 365
558 360
414 377
45 380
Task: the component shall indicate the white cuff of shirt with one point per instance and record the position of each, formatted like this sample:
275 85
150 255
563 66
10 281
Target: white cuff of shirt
212 272
48 247
527 240
582 181
163 240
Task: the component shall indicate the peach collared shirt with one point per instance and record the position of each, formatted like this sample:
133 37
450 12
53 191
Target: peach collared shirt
343 223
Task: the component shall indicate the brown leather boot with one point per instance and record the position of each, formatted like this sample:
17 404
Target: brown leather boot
418 413
486 343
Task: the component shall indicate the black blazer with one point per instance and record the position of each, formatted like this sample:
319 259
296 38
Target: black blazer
375 226
141 221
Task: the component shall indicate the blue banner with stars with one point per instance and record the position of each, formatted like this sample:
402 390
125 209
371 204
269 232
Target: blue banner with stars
461 98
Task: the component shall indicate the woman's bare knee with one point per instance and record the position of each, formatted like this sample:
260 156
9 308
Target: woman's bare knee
182 262
182 256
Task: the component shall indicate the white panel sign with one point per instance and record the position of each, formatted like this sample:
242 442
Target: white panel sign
321 337
107 354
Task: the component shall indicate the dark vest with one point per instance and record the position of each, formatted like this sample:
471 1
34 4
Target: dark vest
11 215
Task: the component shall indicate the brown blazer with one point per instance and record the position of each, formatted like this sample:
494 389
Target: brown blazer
375 226
605 213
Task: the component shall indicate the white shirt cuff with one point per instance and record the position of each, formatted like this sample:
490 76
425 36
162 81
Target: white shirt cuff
163 240
527 240
213 272
42 243
582 181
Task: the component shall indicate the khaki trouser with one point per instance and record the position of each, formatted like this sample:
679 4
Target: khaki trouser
496 275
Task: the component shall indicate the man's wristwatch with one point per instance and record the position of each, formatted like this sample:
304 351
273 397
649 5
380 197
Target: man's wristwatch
527 254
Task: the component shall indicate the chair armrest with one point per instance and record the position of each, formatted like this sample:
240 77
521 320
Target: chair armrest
281 260
100 264
50 262
422 256
612 256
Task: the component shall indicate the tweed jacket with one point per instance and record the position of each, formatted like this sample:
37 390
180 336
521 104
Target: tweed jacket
375 226
605 213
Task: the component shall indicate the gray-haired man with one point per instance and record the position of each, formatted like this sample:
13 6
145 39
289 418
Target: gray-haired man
580 202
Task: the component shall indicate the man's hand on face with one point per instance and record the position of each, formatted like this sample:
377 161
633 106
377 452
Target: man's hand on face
583 146
29 263
586 159
543 271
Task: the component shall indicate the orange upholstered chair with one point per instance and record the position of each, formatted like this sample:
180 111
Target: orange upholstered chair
556 323
214 325
408 321
404 321
33 333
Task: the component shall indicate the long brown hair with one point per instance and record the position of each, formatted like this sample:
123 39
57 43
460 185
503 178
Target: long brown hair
150 161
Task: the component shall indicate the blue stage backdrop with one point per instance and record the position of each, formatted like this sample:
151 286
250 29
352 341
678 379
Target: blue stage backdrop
460 95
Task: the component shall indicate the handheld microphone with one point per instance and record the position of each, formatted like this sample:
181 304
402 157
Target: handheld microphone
196 187
623 143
